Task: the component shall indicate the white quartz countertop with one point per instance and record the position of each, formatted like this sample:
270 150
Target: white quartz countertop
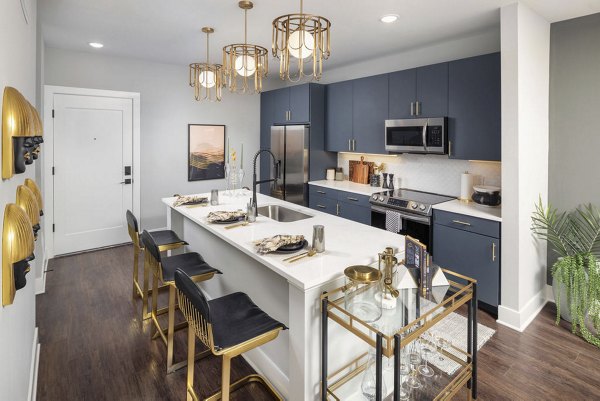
471 209
361 189
346 242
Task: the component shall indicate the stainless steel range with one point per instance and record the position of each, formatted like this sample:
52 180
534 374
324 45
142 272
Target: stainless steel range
412 208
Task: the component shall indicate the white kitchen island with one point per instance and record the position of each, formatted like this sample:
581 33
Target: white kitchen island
289 292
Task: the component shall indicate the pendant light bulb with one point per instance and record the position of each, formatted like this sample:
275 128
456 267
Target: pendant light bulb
301 44
245 65
207 79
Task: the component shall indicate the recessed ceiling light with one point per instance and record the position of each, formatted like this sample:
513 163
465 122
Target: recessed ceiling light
389 18
96 45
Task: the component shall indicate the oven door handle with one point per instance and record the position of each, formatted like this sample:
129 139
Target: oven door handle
407 216
425 136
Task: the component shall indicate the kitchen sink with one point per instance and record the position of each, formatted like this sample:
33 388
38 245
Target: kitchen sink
282 214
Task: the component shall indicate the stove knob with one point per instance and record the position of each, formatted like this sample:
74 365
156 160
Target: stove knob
374 197
422 207
381 198
414 205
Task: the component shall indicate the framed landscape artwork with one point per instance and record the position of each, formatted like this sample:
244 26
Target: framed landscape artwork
206 152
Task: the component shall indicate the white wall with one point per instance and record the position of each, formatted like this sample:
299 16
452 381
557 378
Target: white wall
525 47
17 321
167 107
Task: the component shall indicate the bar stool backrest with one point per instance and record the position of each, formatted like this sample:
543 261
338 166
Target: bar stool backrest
150 245
133 228
195 307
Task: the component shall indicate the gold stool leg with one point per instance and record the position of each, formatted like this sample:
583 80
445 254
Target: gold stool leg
225 378
171 328
135 273
154 313
190 366
145 314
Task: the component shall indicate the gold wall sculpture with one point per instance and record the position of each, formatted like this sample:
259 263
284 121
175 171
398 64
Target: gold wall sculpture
37 133
17 122
17 250
27 201
29 183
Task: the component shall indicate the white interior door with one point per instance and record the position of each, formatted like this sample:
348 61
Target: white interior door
93 139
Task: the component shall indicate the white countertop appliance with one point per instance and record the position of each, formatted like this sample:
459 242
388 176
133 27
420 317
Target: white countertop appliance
409 210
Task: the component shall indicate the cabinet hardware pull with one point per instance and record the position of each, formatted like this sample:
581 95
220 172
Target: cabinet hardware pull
352 199
337 209
449 148
321 206
354 145
350 145
412 108
493 251
418 108
461 222
321 192
290 115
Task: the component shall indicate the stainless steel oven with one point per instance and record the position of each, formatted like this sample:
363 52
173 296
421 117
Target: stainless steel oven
417 135
417 226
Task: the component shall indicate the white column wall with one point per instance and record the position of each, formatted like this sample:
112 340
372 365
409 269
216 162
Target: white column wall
525 47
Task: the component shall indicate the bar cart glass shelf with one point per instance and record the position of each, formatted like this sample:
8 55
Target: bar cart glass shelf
416 313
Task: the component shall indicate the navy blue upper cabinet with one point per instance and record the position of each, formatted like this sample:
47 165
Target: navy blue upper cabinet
419 92
432 91
291 105
402 94
268 100
338 124
299 110
474 108
369 112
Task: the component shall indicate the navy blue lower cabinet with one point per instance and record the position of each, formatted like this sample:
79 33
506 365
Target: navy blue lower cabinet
355 212
323 204
473 255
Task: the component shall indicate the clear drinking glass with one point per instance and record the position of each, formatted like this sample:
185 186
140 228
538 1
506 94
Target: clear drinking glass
214 197
414 359
425 370
369 383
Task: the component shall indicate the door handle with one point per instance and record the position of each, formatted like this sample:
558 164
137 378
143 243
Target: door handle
425 137
493 251
127 181
461 222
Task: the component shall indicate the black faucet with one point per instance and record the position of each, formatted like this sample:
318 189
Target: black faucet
255 183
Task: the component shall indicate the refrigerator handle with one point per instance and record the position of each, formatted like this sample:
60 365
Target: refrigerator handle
278 170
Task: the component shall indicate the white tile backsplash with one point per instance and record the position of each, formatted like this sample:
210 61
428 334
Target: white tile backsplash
432 173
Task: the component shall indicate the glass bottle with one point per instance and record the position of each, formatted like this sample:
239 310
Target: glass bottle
369 381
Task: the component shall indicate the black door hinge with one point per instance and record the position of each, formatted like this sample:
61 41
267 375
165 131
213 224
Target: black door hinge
52 113
53 227
52 170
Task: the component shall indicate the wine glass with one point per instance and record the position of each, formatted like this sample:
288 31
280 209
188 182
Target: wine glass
425 370
414 359
442 345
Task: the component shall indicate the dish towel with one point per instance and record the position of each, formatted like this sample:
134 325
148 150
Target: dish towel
393 221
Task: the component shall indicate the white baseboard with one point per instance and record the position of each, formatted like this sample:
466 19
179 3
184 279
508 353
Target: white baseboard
33 370
519 320
40 282
269 370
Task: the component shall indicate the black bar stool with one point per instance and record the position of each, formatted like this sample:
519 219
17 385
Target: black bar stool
163 269
165 239
228 326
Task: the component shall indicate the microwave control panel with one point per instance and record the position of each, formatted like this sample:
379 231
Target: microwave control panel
435 136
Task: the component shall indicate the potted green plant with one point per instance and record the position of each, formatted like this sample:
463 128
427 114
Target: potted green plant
575 237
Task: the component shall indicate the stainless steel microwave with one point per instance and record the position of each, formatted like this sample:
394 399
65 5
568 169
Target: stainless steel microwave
417 135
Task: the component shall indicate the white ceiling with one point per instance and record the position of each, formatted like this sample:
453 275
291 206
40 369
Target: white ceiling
169 31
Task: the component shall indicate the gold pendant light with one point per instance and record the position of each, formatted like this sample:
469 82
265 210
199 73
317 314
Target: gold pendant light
207 79
245 62
305 38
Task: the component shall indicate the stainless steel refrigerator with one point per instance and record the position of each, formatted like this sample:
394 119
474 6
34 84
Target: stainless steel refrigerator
290 145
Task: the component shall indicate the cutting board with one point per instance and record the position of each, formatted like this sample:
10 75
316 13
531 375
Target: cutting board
360 171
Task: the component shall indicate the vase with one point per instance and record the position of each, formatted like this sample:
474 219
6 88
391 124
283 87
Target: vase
565 310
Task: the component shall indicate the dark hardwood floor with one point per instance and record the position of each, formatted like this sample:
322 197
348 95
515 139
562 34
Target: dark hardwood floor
94 346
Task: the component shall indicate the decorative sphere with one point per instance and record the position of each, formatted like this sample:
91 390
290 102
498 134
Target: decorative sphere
245 69
308 44
207 79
